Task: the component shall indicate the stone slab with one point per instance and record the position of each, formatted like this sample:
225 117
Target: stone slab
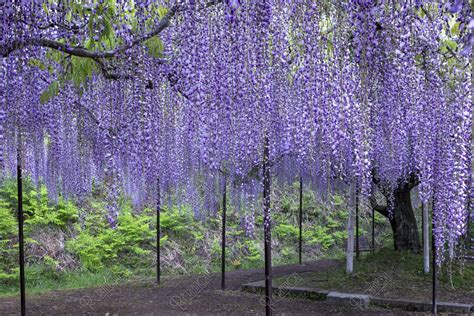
360 300
254 287
352 299
408 305
446 307
303 292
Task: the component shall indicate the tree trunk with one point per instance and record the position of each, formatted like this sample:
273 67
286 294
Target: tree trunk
403 221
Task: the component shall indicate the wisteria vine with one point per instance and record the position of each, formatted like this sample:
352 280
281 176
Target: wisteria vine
344 91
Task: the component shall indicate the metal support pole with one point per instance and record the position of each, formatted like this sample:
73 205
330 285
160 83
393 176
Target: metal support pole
267 228
301 220
158 213
224 211
21 239
433 252
373 230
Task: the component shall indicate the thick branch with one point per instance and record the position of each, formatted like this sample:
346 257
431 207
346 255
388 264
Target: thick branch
109 75
83 52
382 209
5 50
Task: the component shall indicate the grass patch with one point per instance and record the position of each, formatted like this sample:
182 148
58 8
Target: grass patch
392 274
40 279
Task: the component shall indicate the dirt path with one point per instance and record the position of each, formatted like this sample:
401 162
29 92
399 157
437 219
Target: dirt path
188 295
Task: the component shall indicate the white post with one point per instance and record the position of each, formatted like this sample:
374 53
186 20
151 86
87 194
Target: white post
426 241
350 233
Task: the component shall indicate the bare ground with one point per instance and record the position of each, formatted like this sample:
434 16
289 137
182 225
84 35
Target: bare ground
187 295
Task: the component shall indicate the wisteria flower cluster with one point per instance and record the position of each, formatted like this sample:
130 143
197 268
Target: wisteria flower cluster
146 96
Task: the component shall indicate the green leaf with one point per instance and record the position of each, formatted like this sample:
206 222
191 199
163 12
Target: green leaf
50 92
155 47
36 63
45 8
455 29
162 11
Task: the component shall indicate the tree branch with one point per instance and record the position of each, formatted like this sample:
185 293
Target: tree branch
83 52
382 209
426 13
79 51
109 75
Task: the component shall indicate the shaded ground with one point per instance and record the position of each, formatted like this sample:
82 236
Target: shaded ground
390 274
190 295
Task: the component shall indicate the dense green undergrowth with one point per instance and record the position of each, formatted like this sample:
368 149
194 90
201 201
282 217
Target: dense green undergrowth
71 246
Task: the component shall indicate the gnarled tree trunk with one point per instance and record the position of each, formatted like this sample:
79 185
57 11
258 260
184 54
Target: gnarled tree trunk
402 218
403 221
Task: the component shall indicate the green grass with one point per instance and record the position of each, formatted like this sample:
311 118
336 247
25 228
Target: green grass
41 280
388 273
